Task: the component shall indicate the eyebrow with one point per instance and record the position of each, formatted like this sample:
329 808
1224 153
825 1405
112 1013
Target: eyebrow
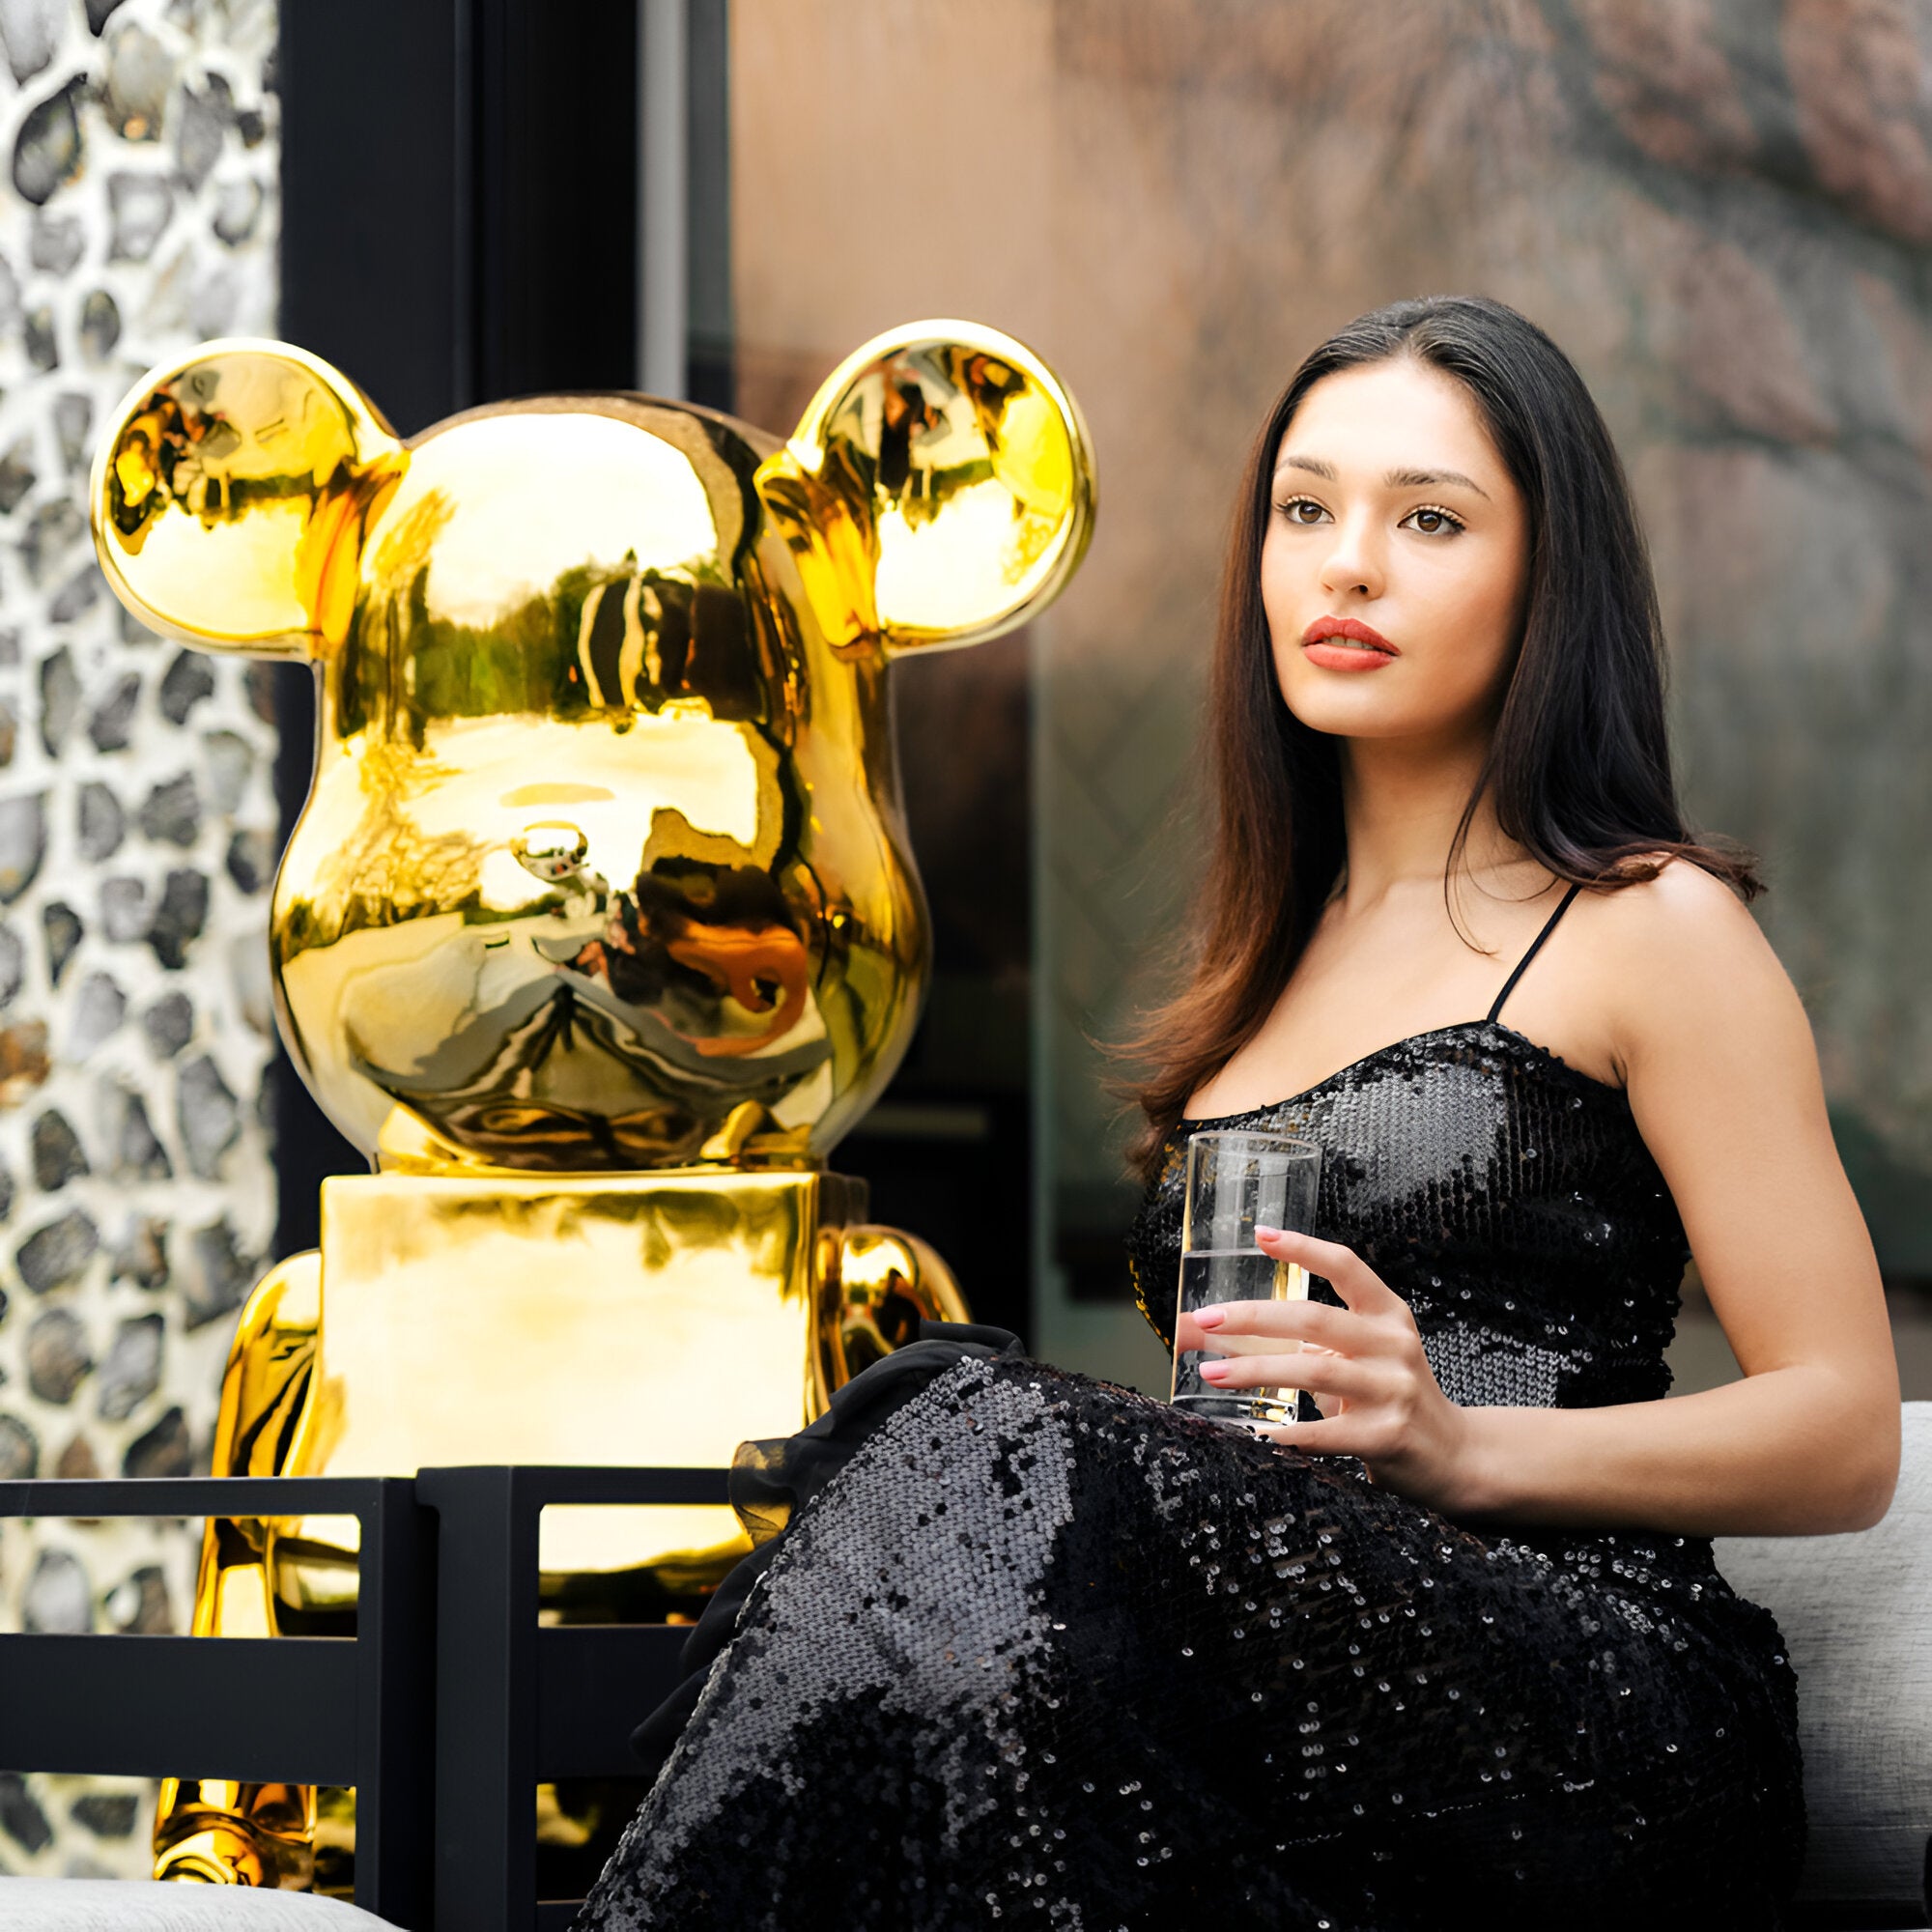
1396 479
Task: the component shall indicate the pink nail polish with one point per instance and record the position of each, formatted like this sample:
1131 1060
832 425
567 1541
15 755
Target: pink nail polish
1208 1318
1214 1372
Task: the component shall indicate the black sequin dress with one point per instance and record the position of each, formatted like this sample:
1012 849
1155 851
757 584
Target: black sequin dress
1038 1650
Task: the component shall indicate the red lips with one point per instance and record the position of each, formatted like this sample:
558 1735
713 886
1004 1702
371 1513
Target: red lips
1352 628
1346 645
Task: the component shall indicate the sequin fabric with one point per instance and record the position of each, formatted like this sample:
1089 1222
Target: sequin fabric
1036 1649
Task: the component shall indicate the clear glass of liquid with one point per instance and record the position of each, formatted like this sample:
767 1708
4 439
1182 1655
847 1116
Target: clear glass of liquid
1236 1183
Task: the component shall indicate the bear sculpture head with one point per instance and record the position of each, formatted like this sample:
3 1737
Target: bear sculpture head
603 865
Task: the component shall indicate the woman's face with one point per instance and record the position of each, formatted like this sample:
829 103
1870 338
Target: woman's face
1395 566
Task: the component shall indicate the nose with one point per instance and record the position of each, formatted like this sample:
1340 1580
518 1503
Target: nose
1353 565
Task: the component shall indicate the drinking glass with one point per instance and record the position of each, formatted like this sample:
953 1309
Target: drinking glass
1236 1183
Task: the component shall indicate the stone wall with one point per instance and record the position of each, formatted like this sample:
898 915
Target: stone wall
136 832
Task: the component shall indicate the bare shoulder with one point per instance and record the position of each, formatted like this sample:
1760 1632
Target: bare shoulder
1682 966
1681 911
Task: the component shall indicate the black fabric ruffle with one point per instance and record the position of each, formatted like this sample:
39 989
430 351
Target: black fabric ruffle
773 1480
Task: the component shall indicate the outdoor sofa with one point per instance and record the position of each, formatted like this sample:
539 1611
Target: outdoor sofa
1857 1612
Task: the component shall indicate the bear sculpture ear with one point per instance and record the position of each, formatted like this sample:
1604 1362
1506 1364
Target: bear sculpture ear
232 496
938 491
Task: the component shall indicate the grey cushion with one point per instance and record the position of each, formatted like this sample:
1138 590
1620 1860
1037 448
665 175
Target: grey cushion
136 1905
1857 1612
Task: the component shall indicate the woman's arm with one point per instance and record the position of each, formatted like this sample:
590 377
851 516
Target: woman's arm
1723 1080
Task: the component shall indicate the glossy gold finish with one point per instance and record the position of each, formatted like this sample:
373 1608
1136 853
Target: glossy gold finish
223 497
711 1271
888 1283
599 928
642 1319
603 856
220 1831
935 494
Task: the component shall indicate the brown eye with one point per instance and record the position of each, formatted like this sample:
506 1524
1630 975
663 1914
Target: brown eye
1433 523
1302 510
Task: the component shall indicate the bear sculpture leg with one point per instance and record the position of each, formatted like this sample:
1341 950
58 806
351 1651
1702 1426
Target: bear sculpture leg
217 1830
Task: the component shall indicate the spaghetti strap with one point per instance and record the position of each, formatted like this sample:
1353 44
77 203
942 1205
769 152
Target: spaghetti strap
1535 945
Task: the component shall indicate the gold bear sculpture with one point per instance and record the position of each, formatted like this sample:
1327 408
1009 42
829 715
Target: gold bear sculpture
599 928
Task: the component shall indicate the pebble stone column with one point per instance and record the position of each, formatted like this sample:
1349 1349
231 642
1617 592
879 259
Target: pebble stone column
137 835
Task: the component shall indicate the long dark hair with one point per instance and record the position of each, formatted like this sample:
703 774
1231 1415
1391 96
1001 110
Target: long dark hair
1578 768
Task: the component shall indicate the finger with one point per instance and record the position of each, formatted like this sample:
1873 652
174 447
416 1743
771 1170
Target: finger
1344 1329
1226 1329
1343 1268
1189 1335
1333 1435
1318 1374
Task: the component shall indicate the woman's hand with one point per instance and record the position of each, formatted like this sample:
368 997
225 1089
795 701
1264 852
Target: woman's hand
1363 1363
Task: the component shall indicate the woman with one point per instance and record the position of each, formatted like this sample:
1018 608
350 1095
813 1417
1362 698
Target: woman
1455 1650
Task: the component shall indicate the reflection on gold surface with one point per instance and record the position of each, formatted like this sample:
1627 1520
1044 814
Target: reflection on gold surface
216 1829
935 492
435 1348
598 929
649 641
230 501
889 1282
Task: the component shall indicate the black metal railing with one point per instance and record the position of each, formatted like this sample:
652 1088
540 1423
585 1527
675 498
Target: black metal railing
450 1699
517 1703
